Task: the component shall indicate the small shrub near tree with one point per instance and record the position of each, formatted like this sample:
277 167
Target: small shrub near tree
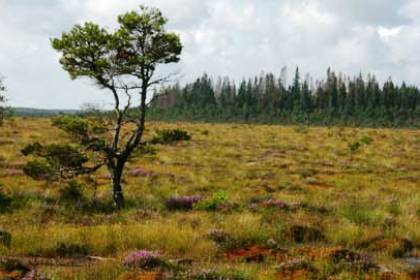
39 169
169 136
72 193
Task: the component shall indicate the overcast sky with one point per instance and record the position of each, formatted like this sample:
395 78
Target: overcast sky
238 38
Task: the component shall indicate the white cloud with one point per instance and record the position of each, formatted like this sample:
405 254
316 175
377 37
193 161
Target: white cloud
388 33
410 10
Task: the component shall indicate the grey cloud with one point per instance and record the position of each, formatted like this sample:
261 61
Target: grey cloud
372 12
238 38
37 17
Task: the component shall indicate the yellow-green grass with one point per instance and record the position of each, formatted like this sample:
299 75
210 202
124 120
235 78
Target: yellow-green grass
352 195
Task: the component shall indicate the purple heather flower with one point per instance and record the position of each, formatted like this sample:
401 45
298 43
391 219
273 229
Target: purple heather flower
140 172
141 258
277 204
218 236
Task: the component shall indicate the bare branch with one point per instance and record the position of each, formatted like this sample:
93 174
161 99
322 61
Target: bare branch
166 79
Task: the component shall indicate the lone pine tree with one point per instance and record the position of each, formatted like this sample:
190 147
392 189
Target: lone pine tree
124 63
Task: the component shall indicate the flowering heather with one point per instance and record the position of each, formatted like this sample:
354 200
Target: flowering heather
182 202
277 204
140 172
354 260
295 265
218 236
143 259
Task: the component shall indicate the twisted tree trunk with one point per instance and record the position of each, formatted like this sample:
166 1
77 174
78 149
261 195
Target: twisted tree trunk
117 191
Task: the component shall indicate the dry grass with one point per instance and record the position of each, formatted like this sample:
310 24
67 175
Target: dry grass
353 196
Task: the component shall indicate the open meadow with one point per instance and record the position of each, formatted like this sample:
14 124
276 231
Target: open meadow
234 202
137 142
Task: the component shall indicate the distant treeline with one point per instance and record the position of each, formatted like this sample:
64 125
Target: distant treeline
268 99
32 112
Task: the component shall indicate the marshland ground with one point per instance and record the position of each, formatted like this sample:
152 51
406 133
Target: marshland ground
275 202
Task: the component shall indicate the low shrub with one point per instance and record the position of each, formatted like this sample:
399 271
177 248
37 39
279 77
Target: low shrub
344 259
5 238
72 193
169 136
63 249
354 146
5 201
53 161
39 170
214 202
301 234
70 124
220 237
242 242
181 202
145 260
147 150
